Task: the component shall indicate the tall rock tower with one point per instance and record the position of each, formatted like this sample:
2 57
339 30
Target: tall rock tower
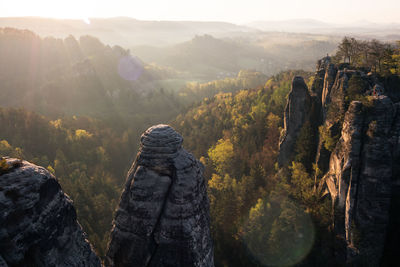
163 217
297 111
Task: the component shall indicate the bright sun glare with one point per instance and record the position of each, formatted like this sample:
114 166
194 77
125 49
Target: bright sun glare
86 20
236 11
81 10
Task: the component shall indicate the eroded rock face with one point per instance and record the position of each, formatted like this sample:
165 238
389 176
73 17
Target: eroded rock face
334 106
360 180
38 225
163 217
361 171
324 77
329 80
296 112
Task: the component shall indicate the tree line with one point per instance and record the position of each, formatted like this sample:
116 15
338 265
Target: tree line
379 57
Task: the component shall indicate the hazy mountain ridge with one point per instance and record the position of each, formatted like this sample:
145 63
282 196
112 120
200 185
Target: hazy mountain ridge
208 57
360 29
69 76
206 51
126 32
85 72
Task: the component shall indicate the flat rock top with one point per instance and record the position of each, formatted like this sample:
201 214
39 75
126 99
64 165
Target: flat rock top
161 135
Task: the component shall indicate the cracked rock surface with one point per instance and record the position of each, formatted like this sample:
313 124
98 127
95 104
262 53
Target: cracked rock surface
38 225
360 180
163 215
297 111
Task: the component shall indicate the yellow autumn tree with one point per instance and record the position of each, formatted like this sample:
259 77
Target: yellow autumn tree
222 155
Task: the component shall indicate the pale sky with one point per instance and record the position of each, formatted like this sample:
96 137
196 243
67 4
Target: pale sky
236 11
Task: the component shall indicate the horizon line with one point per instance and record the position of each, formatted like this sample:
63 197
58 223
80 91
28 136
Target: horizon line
200 20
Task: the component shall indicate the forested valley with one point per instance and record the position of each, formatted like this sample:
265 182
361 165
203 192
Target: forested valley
78 108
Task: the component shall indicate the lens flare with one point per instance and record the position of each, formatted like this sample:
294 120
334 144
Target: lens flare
87 21
130 68
278 233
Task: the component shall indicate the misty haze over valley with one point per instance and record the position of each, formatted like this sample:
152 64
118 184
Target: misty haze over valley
199 134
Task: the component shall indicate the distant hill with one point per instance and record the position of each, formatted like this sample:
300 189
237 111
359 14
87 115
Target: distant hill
207 57
130 32
57 77
294 25
124 31
360 29
78 77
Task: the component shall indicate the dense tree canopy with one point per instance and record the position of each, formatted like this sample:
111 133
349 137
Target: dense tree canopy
256 209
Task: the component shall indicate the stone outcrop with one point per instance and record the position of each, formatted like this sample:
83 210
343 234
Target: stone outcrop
361 171
297 111
324 78
163 216
329 80
334 105
360 180
38 225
